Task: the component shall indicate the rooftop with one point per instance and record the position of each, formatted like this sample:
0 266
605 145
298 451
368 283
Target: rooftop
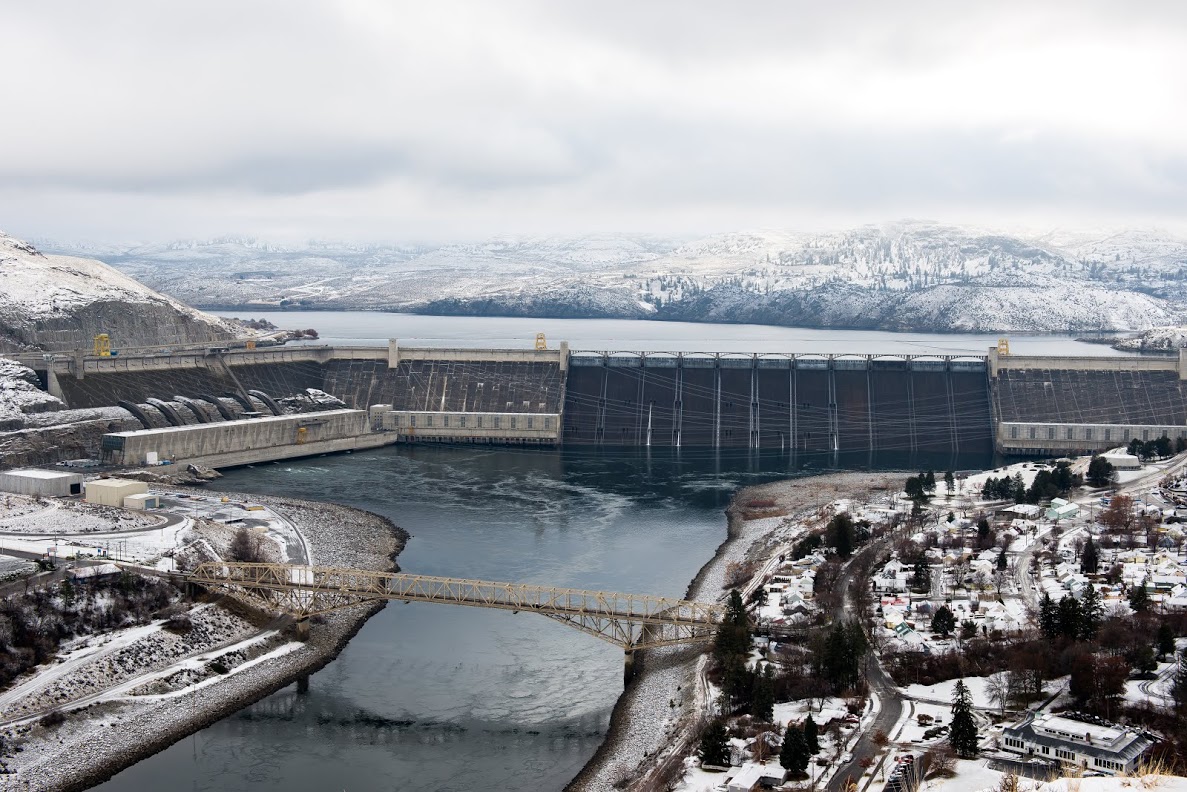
34 473
310 418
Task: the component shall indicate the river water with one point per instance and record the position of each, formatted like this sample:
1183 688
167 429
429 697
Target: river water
431 697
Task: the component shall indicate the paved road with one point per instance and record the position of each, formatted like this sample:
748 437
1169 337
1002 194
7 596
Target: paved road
880 683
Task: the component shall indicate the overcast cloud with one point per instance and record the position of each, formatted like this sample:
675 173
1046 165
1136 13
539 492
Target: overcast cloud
436 121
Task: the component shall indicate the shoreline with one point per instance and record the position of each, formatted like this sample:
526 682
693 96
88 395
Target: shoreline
145 729
639 743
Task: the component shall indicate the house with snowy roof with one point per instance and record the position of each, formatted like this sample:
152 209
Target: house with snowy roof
1077 741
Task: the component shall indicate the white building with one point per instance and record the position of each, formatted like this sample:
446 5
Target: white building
1083 741
44 483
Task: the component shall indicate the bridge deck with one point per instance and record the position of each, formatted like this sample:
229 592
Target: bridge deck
628 620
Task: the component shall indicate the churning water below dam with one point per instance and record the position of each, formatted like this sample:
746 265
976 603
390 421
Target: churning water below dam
436 697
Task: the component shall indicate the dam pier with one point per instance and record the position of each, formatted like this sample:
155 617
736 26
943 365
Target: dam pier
222 407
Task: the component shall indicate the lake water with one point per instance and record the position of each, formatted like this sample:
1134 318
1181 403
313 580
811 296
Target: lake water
431 697
636 335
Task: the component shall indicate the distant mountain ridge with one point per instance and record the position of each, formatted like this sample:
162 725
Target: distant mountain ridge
898 276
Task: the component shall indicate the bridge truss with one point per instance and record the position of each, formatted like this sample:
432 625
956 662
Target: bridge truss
631 621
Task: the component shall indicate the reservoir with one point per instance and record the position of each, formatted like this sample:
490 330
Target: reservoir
436 697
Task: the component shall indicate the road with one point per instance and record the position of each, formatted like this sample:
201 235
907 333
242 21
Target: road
880 683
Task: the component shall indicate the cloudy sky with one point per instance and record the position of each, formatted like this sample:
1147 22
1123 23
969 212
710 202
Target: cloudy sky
438 121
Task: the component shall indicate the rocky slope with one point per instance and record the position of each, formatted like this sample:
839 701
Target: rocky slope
898 276
60 303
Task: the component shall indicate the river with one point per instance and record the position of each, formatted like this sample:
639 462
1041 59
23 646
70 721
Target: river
432 697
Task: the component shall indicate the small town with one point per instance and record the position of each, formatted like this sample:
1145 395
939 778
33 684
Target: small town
995 630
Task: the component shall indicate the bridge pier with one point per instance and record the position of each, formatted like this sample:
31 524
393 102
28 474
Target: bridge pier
303 632
303 683
628 666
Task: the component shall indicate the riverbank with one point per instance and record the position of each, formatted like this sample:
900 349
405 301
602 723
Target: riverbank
102 737
656 721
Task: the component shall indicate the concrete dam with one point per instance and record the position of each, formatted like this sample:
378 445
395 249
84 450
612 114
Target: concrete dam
767 402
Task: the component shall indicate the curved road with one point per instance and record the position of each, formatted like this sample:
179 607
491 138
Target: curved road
889 695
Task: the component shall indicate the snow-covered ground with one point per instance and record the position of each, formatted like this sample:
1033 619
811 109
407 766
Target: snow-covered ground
143 688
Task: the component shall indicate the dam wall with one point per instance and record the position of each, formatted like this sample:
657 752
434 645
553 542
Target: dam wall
788 403
770 402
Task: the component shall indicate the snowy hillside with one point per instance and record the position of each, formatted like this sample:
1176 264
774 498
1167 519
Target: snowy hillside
1156 339
59 302
902 276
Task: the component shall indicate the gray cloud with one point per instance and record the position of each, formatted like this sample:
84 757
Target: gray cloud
454 119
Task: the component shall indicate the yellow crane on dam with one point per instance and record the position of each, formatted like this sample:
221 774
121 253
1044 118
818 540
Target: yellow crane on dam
630 621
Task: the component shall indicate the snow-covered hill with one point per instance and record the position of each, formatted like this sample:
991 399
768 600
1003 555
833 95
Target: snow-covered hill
903 276
61 303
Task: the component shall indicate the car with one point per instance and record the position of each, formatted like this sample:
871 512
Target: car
850 718
846 757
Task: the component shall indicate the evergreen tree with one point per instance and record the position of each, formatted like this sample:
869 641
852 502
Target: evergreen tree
1100 472
762 696
793 756
1018 492
1144 660
1090 558
982 532
921 576
733 636
914 489
1002 561
949 482
943 622
1179 690
840 532
1091 612
962 734
1166 640
1048 617
929 482
1069 617
1139 598
811 739
715 745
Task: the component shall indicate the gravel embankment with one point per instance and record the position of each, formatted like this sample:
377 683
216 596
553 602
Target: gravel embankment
99 741
644 727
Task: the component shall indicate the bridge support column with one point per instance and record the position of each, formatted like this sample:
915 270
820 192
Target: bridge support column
303 683
303 629
628 666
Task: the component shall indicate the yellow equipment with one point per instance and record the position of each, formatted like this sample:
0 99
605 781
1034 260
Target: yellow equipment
251 343
540 342
102 345
1003 346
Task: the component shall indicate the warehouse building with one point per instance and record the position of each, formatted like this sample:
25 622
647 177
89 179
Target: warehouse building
111 491
43 483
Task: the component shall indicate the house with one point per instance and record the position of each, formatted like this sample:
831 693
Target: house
747 779
1076 740
1061 509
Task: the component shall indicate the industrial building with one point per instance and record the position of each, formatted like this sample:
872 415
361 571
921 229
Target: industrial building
112 492
41 483
142 501
243 442
1078 740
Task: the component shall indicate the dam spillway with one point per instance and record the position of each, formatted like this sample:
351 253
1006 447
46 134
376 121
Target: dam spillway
792 403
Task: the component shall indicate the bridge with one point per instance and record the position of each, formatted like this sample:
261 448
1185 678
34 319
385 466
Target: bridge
629 621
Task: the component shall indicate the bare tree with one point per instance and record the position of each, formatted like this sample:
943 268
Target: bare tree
1000 689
